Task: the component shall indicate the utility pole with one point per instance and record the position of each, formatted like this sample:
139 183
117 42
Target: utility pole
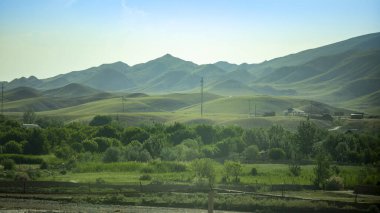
2 98
202 97
122 102
255 110
249 108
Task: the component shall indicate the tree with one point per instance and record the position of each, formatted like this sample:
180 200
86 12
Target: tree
206 132
276 136
112 154
13 147
321 170
107 131
8 164
204 168
37 143
276 154
232 169
180 135
256 137
154 145
135 152
100 120
306 137
226 147
251 153
134 133
103 143
90 146
29 117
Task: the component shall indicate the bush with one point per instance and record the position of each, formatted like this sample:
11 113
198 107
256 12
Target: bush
145 177
100 181
253 171
232 171
276 154
251 153
112 154
44 165
90 146
295 169
8 164
13 147
22 177
334 183
147 170
22 159
168 166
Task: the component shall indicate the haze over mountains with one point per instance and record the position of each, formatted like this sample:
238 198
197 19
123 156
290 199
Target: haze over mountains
346 74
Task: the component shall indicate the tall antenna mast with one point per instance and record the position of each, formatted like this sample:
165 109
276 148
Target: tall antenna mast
249 108
202 97
122 102
2 98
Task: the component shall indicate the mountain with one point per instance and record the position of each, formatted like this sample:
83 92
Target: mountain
360 43
336 73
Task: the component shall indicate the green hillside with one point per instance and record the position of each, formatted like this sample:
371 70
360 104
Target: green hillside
21 93
73 90
334 74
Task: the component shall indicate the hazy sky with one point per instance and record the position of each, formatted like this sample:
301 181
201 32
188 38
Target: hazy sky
49 37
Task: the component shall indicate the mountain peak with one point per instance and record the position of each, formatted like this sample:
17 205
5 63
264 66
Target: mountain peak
167 55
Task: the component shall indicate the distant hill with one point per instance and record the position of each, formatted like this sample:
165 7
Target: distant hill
335 73
73 90
21 93
24 98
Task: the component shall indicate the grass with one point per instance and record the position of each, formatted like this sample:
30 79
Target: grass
130 172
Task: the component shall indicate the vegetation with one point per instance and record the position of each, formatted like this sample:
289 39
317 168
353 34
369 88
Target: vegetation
189 154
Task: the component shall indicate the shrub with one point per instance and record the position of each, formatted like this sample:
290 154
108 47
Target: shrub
145 177
251 153
334 183
147 170
33 174
100 181
22 177
22 159
295 169
232 169
253 171
8 164
276 154
13 147
204 168
44 165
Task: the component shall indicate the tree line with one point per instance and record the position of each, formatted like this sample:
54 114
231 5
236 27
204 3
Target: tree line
104 135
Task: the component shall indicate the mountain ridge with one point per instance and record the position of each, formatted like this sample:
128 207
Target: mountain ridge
325 73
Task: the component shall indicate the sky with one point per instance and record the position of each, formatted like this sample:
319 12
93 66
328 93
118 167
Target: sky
45 38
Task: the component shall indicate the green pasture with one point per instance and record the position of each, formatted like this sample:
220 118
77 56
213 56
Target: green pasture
130 172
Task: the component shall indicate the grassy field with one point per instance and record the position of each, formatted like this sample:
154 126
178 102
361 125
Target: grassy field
130 172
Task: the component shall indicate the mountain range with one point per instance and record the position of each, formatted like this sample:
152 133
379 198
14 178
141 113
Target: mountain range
345 74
